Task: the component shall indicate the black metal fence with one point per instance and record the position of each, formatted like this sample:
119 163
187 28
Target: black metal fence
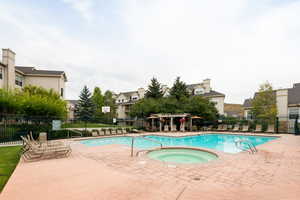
14 126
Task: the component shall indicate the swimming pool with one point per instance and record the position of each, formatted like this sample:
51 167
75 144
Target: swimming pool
220 142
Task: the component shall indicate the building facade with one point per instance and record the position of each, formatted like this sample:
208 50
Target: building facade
16 77
125 100
287 103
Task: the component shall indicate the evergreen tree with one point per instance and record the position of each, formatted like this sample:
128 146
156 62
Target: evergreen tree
154 90
179 89
85 107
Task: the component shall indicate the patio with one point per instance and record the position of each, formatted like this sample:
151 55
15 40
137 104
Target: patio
110 173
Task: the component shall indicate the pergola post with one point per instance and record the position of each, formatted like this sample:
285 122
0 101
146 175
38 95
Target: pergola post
152 124
160 125
191 124
171 124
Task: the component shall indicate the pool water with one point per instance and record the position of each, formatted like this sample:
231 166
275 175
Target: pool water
220 142
182 156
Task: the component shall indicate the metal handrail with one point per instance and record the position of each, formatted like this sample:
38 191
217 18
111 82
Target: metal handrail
247 142
132 143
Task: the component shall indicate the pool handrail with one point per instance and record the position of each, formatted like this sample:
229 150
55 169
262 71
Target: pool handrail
151 140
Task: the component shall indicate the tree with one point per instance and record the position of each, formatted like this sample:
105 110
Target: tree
179 89
98 100
264 103
84 109
154 89
110 101
33 101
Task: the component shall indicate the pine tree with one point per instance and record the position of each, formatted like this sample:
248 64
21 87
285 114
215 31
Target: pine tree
84 110
179 89
154 90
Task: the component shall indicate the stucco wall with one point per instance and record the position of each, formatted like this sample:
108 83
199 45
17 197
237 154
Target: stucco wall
54 83
219 104
121 111
282 102
3 76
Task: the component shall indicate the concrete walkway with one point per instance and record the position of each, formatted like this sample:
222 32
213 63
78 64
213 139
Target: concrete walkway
108 172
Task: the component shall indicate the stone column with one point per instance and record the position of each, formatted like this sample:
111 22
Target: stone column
191 125
171 124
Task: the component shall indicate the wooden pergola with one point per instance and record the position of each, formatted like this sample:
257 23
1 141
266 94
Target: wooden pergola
164 116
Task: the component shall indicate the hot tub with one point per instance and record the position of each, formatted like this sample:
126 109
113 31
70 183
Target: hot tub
182 155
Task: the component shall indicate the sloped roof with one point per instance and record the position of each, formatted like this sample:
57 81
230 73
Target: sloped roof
2 64
294 94
233 109
72 101
128 94
247 103
33 71
212 93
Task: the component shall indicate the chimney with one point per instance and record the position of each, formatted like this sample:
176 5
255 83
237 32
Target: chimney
206 85
141 92
8 58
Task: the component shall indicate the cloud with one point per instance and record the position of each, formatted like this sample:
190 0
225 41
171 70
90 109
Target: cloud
237 43
83 7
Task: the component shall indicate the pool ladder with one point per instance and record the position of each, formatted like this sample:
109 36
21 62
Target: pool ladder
251 148
151 140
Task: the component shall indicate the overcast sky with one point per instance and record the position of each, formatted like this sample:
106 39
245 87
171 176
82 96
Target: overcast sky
121 44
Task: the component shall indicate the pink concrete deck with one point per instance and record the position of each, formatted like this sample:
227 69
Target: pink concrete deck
108 172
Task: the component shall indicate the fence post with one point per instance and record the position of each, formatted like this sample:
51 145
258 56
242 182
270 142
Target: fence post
277 125
296 127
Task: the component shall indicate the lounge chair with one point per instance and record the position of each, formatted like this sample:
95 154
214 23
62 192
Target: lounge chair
31 151
224 128
271 128
245 128
94 132
113 131
209 128
258 128
101 132
220 127
236 127
107 131
124 130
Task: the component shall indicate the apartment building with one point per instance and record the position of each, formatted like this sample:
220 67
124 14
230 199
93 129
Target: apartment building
14 77
126 99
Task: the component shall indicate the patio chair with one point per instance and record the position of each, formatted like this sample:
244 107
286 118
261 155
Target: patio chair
236 127
271 129
245 128
258 128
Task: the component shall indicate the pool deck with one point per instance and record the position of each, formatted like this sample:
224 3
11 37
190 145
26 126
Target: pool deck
108 172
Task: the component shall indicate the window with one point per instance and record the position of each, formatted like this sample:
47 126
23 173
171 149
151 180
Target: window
62 92
199 91
1 76
19 80
293 113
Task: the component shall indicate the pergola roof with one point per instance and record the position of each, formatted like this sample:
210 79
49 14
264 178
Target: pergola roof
162 115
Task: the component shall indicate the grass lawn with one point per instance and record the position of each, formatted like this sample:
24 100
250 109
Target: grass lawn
9 158
90 125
